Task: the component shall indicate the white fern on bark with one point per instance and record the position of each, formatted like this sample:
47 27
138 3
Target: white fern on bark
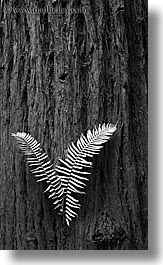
70 177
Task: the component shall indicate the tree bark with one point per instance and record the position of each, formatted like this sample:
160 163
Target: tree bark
61 73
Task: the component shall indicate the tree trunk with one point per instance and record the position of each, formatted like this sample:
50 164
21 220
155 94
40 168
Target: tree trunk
61 73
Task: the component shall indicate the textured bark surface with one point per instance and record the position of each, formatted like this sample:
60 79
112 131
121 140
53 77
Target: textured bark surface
61 74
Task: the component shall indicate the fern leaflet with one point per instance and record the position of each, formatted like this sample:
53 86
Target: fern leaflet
71 172
41 166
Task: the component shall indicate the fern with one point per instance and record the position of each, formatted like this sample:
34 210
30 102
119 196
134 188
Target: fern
68 178
41 166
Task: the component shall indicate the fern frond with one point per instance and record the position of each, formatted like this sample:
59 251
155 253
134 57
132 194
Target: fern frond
41 166
71 169
69 177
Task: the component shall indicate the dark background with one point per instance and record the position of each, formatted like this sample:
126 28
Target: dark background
59 76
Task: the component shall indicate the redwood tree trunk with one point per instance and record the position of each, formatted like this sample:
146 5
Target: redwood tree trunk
60 74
